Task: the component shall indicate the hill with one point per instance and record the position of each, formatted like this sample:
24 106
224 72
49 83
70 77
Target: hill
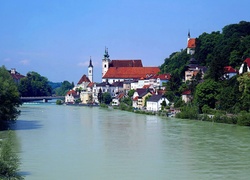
214 50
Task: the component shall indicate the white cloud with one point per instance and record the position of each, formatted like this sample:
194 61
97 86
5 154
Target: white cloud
83 64
24 62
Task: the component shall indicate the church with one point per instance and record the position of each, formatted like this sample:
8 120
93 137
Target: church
191 44
121 70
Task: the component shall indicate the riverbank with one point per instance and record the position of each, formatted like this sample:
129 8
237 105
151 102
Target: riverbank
190 112
242 118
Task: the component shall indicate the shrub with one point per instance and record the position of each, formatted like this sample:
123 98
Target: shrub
103 105
188 112
244 119
59 102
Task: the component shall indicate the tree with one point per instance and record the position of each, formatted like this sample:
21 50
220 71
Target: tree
107 98
34 85
244 88
64 88
100 96
206 93
9 161
9 97
131 92
127 101
229 95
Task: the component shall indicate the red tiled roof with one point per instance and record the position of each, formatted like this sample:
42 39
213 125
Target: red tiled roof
161 91
130 72
247 60
91 84
136 98
71 92
120 96
17 76
166 76
84 78
187 92
191 43
146 86
126 63
229 69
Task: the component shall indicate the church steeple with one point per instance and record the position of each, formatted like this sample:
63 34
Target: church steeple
90 70
106 54
105 62
90 63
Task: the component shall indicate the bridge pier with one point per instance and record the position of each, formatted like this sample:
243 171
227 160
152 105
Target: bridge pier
45 100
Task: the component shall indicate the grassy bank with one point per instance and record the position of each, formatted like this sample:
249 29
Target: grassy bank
191 112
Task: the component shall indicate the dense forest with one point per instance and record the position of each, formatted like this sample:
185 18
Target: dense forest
214 50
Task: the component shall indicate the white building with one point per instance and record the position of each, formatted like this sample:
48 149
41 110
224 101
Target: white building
154 103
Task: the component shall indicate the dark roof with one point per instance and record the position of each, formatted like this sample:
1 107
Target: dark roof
102 84
90 63
142 91
16 75
126 63
118 84
155 98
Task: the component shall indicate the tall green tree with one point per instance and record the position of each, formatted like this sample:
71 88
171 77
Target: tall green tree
229 95
106 98
244 88
34 85
9 97
100 96
9 161
207 93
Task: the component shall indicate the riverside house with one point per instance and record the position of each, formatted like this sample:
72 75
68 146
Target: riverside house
154 103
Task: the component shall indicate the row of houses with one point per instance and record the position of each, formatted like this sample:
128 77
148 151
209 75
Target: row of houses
87 91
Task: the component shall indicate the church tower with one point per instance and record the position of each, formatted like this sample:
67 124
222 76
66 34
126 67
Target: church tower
188 36
105 62
90 70
191 44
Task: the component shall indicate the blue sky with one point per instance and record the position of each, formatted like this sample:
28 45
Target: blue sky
56 38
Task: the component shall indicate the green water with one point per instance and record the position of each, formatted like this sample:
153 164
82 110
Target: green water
65 142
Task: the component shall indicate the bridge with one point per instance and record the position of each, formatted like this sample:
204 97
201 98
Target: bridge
40 98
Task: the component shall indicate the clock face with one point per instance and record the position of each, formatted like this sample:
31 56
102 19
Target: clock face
89 71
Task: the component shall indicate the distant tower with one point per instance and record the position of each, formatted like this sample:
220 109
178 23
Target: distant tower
90 70
105 62
191 44
188 35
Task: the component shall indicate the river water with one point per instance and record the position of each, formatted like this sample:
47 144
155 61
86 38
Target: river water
67 142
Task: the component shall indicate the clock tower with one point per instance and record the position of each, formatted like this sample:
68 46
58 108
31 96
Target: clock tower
90 70
105 62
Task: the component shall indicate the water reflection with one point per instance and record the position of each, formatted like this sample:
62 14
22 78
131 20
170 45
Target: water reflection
25 125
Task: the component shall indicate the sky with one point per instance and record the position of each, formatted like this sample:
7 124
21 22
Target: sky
57 38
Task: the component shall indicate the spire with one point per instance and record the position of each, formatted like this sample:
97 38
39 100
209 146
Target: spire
188 33
90 62
106 54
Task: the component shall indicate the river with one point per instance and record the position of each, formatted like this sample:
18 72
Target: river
68 142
